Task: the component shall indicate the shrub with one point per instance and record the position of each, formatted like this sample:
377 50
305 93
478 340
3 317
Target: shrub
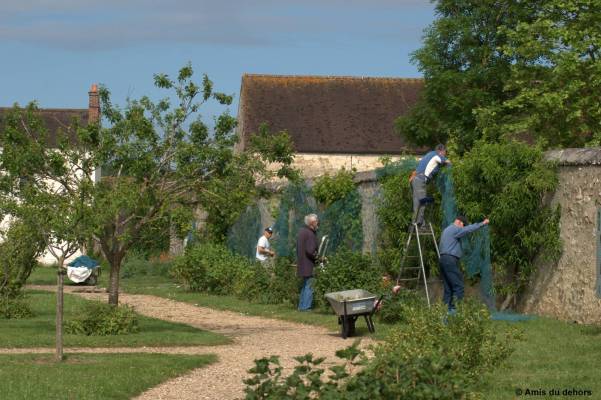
346 270
101 319
328 189
210 267
18 253
14 308
395 308
506 182
260 285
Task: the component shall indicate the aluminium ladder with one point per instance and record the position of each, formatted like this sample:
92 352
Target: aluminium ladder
419 272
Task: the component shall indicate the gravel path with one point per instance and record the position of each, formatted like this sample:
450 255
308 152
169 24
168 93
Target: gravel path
253 337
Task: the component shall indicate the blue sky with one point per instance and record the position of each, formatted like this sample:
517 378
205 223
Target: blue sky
53 50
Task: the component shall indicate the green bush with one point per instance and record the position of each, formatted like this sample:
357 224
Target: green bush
506 182
18 253
395 307
260 285
101 319
210 267
14 308
346 270
429 357
328 189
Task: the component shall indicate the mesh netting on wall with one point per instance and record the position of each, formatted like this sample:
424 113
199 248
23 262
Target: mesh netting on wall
341 221
242 237
476 246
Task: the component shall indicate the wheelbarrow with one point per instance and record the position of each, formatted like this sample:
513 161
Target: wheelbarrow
349 305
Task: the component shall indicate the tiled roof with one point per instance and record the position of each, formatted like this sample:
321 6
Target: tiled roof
328 114
56 120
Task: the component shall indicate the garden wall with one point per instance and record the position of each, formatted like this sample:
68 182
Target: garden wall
568 288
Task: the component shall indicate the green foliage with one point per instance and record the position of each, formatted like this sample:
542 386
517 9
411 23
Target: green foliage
328 189
431 356
47 187
275 283
18 253
14 308
506 182
395 308
213 268
555 77
100 319
346 270
209 267
511 68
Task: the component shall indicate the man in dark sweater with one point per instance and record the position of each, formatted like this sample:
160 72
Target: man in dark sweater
306 256
450 253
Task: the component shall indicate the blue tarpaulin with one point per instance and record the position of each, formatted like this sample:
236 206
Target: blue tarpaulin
84 261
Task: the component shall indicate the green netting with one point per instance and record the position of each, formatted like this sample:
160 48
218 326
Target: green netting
242 237
476 246
341 221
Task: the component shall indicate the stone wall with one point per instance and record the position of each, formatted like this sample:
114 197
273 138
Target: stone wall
314 165
567 288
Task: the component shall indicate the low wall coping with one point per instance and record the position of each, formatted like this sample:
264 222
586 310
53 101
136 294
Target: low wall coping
575 156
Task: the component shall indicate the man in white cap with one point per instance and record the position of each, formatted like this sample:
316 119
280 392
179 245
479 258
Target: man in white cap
264 253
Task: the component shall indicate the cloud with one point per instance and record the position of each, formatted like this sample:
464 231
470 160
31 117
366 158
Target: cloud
86 25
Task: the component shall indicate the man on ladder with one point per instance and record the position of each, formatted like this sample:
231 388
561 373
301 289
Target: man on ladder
425 171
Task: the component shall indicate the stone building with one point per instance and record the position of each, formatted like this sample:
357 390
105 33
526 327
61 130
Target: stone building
334 121
569 288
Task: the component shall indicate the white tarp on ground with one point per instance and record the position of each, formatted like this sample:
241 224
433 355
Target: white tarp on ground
78 274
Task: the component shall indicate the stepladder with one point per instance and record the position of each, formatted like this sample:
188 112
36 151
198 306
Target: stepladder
412 269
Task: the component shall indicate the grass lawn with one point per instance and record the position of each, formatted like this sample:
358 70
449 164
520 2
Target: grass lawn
90 376
554 355
39 331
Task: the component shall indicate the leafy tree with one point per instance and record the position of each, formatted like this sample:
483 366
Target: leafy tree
463 69
555 77
160 157
48 189
497 68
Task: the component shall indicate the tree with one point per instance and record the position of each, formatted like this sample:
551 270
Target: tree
499 68
47 189
159 158
463 69
555 78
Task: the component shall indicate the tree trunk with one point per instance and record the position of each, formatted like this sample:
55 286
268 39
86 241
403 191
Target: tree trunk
59 310
114 280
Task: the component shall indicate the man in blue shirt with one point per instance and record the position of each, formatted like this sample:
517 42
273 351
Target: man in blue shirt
450 253
426 169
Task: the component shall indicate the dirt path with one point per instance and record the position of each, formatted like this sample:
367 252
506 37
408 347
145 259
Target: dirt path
253 337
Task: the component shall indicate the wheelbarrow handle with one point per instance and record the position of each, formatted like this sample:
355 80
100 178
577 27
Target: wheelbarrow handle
376 305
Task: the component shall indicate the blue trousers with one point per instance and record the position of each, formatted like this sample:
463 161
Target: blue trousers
306 295
452 280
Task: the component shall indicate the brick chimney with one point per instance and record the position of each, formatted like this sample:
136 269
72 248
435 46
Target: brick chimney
94 105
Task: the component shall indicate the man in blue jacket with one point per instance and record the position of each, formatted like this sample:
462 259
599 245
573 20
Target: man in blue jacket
450 253
425 171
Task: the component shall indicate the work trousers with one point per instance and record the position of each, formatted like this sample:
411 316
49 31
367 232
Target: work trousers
452 280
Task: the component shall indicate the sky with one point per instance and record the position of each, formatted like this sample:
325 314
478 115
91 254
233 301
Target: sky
52 51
